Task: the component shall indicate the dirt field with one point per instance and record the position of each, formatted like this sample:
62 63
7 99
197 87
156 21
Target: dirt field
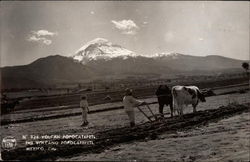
73 110
214 142
94 98
106 120
225 140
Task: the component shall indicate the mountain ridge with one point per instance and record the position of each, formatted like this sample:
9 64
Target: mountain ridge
56 69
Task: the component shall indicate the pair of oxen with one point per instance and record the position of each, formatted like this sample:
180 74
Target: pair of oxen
178 97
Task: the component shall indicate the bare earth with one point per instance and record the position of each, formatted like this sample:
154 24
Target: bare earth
223 141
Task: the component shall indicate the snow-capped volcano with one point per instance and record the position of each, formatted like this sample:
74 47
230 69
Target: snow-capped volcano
101 48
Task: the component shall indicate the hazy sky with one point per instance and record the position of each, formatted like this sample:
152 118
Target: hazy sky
30 30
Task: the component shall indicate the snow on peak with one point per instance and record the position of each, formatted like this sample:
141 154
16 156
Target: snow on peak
174 55
96 41
159 54
170 55
101 48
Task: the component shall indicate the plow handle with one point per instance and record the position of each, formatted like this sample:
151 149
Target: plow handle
144 113
151 111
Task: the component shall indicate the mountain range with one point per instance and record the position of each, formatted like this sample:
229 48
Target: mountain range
100 58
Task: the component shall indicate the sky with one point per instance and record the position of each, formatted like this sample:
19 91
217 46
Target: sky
31 30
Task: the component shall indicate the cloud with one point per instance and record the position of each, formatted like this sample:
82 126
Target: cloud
40 36
126 26
43 33
47 41
92 12
34 38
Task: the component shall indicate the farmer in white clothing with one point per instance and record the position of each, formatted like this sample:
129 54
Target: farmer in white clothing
129 103
85 109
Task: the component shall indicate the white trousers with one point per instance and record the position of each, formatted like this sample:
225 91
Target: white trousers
131 116
84 116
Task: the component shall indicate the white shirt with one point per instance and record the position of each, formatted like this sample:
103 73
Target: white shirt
130 102
84 104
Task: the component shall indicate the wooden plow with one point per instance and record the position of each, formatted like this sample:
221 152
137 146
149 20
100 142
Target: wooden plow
149 117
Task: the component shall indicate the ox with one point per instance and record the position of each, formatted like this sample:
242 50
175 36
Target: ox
186 95
164 97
